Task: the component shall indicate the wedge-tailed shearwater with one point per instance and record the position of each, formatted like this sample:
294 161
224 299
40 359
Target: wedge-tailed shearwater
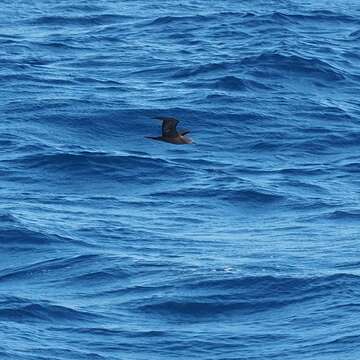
169 132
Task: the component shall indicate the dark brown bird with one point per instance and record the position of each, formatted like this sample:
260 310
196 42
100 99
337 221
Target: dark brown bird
169 132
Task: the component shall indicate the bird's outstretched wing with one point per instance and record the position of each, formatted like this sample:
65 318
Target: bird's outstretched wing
169 126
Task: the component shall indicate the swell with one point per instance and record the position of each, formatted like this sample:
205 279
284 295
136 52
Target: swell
85 20
26 310
19 236
6 218
351 215
232 195
248 295
28 237
293 64
316 16
251 19
194 70
258 66
58 268
350 167
230 83
97 163
190 19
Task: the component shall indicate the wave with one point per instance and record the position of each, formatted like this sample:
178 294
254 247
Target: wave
88 20
233 83
79 7
352 167
355 35
246 295
229 83
61 265
271 285
316 16
349 265
251 19
96 277
26 310
304 171
29 79
293 64
326 113
344 215
258 66
330 16
205 308
61 45
98 163
7 218
191 71
26 238
190 19
120 331
231 195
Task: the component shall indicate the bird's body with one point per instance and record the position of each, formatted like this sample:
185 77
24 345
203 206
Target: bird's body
170 134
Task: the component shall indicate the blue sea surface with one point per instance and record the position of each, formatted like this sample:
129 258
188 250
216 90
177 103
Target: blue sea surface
242 246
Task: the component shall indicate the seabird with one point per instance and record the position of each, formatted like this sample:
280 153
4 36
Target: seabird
169 132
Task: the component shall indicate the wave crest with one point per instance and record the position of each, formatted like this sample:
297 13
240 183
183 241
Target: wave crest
247 295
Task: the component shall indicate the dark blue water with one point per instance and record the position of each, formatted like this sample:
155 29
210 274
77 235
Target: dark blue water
242 246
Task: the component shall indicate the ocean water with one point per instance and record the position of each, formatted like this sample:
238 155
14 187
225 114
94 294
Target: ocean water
244 245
